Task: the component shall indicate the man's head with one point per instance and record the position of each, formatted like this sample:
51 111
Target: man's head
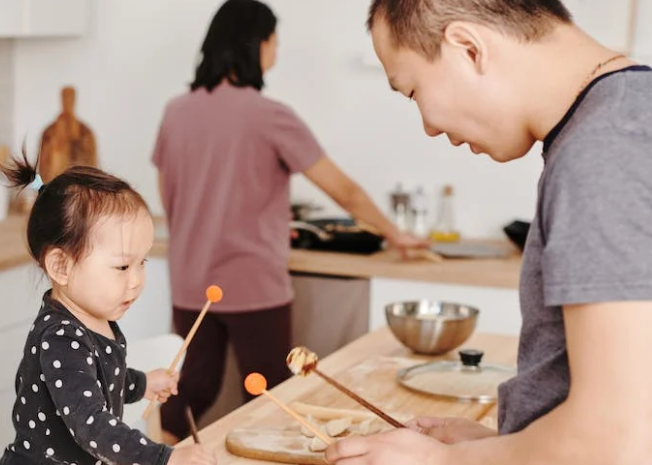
456 59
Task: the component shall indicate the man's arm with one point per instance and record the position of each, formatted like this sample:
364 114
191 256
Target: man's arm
607 417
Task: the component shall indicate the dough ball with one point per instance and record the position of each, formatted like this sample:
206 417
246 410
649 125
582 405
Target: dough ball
317 445
369 426
337 427
305 431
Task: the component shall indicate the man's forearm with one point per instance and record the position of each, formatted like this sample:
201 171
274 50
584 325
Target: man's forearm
559 438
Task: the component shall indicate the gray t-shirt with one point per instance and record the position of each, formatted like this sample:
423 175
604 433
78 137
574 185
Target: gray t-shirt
591 238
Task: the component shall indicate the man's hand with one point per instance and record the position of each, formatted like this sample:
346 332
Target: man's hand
401 446
451 430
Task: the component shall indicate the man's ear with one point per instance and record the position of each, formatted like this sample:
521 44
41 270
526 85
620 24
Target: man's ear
58 265
466 38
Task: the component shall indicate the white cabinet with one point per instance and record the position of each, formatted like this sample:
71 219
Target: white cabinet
328 312
22 289
44 18
499 308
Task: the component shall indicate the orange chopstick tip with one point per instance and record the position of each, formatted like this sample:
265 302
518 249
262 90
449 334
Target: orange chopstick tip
255 384
214 293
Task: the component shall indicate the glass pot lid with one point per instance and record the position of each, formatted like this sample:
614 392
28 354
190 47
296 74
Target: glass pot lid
467 380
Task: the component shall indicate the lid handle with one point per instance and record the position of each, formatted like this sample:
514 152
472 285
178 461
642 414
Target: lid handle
471 357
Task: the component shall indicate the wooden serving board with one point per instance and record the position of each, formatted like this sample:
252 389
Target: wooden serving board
290 445
273 445
278 438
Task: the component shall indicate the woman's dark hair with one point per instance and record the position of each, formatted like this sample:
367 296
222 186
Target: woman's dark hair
231 48
67 208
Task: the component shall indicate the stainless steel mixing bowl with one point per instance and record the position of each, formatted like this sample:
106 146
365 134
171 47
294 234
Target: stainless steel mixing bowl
430 327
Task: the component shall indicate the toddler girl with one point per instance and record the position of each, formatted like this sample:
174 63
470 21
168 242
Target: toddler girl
90 232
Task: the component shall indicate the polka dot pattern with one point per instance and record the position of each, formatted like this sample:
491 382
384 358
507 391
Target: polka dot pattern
78 377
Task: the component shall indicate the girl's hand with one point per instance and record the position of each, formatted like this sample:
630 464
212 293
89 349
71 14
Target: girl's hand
161 385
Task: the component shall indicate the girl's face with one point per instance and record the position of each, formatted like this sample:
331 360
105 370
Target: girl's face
107 280
268 50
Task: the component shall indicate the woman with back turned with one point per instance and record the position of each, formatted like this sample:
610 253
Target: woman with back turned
225 154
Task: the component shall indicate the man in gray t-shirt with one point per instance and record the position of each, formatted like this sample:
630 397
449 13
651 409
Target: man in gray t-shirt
591 239
500 75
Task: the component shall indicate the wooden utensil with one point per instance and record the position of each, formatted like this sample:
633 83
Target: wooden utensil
256 384
192 425
213 295
359 399
273 445
330 413
424 254
310 366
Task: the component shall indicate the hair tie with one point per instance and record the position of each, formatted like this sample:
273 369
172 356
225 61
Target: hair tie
37 183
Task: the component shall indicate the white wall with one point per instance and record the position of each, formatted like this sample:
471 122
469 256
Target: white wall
643 33
377 135
6 107
139 54
135 57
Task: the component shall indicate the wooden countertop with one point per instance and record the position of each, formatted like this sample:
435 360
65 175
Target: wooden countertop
501 273
261 412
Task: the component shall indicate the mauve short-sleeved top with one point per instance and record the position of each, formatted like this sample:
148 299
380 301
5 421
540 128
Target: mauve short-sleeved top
226 158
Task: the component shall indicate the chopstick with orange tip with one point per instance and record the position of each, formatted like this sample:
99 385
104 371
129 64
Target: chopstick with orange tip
256 384
213 295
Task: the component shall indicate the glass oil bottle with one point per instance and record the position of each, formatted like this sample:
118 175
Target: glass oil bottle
444 228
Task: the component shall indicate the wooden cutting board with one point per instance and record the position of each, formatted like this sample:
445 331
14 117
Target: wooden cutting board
289 445
279 439
273 445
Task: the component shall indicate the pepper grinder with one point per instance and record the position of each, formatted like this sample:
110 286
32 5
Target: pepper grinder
420 214
401 207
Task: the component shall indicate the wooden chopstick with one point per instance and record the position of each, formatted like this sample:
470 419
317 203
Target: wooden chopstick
256 384
424 254
325 439
193 426
359 399
211 298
